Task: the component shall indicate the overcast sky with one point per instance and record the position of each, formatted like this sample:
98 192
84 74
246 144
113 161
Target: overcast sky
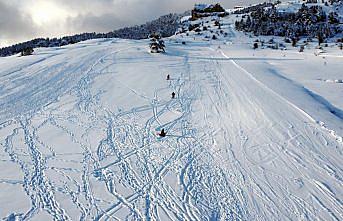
22 20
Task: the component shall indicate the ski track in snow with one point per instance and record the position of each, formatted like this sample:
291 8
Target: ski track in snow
236 150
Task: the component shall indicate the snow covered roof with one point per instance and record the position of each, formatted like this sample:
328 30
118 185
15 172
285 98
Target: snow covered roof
208 7
201 7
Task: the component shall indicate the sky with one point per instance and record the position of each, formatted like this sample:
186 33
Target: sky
22 20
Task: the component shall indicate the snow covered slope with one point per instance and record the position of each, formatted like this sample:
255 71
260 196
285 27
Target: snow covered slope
252 134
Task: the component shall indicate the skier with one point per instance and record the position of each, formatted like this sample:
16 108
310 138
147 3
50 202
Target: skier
173 95
163 133
168 77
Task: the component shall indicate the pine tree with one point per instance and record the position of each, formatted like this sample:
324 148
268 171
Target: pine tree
156 43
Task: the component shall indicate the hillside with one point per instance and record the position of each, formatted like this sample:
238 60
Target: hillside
295 19
252 134
165 25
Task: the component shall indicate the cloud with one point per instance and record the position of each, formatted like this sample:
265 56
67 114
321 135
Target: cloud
107 15
95 23
16 23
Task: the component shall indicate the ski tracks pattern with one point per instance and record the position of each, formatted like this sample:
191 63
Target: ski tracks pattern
221 158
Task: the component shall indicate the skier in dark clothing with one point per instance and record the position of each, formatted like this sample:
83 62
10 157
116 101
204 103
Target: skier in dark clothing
163 133
168 77
173 95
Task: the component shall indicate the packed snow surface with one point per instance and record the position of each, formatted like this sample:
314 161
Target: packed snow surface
251 134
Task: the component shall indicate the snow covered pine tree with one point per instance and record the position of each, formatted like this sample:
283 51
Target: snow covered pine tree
156 43
27 51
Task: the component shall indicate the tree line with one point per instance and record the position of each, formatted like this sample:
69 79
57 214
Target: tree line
309 21
166 25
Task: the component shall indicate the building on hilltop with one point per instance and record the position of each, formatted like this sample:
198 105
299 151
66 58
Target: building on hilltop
206 10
